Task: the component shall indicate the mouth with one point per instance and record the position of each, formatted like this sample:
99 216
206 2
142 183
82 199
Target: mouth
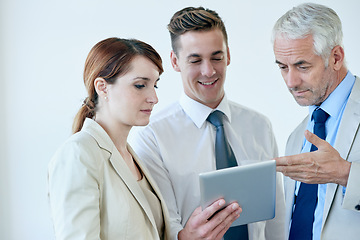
146 111
299 93
208 83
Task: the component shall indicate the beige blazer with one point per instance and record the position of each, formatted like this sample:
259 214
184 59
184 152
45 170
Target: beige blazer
341 213
93 194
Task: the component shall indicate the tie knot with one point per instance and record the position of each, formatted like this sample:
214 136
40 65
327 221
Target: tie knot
216 118
320 116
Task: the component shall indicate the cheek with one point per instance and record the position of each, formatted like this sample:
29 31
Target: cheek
123 99
192 72
316 80
220 67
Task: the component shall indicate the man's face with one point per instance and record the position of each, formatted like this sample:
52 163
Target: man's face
202 60
304 72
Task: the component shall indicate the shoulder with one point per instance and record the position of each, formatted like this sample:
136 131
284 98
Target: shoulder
166 119
80 141
171 111
80 149
246 114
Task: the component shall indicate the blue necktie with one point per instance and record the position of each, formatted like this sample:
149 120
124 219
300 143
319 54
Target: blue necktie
306 201
225 158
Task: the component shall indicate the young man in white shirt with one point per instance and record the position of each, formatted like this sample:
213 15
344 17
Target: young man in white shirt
179 143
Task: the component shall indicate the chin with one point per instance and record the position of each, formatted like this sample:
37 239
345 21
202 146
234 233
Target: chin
143 123
302 103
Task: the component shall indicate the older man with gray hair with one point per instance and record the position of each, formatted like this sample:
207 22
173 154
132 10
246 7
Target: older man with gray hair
322 169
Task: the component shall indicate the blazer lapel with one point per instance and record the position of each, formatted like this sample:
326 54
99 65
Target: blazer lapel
293 146
296 139
350 123
123 171
116 160
348 128
157 193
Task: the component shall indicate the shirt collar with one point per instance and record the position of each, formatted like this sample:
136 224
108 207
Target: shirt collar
198 112
336 100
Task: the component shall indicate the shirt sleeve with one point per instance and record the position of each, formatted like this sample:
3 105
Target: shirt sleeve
73 191
146 146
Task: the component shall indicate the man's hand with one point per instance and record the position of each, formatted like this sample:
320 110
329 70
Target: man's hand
200 227
322 166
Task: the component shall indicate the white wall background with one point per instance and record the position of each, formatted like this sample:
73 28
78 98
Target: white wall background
43 47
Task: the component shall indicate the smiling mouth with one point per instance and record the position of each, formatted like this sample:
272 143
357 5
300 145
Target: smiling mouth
208 83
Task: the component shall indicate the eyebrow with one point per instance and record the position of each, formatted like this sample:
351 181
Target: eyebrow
301 62
142 78
217 52
145 79
195 55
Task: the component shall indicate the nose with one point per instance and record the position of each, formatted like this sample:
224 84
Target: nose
207 69
152 97
292 79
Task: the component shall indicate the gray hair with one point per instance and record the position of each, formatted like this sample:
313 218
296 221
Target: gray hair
311 19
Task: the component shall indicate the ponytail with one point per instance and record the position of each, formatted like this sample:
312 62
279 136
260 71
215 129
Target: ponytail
87 110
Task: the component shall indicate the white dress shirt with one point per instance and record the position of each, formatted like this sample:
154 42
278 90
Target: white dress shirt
179 143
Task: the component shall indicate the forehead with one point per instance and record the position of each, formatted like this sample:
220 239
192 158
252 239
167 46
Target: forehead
142 67
293 50
202 43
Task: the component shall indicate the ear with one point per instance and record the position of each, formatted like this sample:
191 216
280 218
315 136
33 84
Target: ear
174 61
228 55
101 87
337 57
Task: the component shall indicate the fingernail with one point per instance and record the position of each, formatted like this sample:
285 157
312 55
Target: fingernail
222 202
234 206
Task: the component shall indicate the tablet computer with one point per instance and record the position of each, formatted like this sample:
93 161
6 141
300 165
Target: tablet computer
253 186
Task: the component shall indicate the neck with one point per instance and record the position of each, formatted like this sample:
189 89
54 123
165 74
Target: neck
342 74
117 132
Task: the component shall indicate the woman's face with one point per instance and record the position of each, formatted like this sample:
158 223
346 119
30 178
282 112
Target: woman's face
132 97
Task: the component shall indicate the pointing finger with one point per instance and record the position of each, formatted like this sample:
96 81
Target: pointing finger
315 140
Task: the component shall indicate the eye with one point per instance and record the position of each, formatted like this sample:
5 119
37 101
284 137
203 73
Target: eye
282 67
218 59
195 61
304 68
139 86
